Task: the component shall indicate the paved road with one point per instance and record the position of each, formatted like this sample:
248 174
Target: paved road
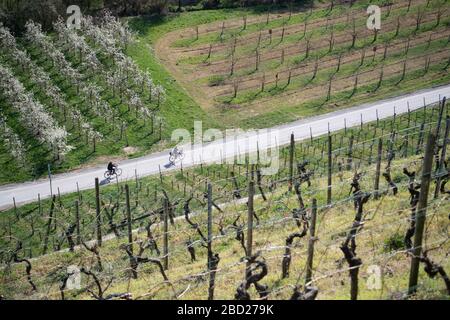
225 148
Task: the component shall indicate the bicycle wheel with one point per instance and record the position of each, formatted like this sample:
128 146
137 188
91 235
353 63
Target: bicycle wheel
172 159
181 156
107 175
118 172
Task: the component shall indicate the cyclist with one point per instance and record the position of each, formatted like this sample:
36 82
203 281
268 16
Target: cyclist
112 168
175 152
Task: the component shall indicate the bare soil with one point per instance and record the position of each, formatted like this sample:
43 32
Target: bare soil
189 75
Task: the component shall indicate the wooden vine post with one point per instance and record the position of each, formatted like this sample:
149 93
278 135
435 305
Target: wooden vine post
49 225
312 234
291 162
378 169
128 207
421 213
129 230
441 165
210 256
330 167
77 221
441 114
350 153
98 218
166 234
209 193
251 193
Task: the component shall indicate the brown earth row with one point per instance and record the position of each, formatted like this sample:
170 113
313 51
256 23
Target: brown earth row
235 23
294 97
291 30
223 66
328 63
169 57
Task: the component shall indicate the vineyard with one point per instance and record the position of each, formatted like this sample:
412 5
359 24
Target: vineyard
70 96
275 66
343 209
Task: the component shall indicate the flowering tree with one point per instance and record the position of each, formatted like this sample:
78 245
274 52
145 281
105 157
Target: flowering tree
159 92
103 39
40 77
6 38
116 29
99 48
33 114
69 38
12 140
35 36
112 37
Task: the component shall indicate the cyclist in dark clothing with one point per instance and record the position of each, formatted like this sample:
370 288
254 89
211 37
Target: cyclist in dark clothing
112 168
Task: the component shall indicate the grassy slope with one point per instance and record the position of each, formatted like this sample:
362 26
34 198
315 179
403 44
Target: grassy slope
346 70
346 99
180 110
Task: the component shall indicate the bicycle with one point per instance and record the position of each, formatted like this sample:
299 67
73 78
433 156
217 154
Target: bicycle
117 172
176 155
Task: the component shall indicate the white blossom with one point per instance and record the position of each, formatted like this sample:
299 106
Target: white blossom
42 79
105 36
34 35
32 113
7 40
76 44
13 141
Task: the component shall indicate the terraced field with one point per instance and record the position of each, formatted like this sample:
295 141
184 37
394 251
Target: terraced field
272 68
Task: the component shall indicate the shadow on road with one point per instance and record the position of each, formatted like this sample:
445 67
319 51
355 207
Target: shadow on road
105 181
168 165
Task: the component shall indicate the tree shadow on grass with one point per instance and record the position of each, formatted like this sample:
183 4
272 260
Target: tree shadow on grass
141 24
75 138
